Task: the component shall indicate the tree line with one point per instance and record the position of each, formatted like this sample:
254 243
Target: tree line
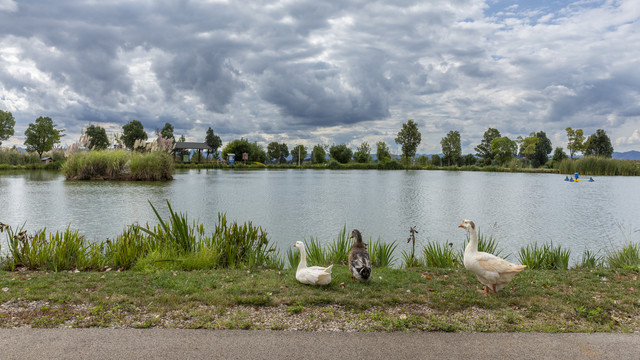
494 149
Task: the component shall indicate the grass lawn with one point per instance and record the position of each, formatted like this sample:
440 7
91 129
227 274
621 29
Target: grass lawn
420 299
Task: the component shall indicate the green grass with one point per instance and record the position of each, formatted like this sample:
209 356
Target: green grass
419 299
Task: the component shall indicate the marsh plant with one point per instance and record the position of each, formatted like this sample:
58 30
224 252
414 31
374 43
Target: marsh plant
596 165
381 253
544 257
337 251
439 255
119 165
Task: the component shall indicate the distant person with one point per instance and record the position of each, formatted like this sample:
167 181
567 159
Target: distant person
591 179
566 178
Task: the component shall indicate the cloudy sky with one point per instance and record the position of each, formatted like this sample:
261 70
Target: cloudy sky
313 71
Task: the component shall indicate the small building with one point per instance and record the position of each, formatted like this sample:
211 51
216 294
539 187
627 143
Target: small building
187 145
46 160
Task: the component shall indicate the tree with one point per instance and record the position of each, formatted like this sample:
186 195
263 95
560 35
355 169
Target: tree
273 151
213 141
7 123
599 144
98 139
436 160
483 150
469 159
559 155
542 150
341 153
131 132
409 137
238 147
576 141
41 136
382 151
277 152
167 131
503 149
451 147
319 154
363 154
527 145
298 154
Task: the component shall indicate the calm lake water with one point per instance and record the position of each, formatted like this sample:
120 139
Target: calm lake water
291 205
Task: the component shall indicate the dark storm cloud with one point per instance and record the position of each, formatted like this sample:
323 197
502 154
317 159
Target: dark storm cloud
311 70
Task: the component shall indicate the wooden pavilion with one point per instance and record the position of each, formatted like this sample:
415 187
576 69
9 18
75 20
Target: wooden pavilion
187 145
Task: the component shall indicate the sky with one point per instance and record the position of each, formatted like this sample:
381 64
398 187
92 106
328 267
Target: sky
325 72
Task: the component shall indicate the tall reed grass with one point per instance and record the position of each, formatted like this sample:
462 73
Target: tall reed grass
119 165
596 165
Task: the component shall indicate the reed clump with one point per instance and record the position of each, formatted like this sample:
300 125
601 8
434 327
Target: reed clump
119 165
597 165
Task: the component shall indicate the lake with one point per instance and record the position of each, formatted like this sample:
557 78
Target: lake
516 209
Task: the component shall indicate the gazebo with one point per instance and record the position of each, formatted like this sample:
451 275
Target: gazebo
186 145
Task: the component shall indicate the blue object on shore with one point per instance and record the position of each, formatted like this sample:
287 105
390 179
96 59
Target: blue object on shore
576 176
566 178
591 179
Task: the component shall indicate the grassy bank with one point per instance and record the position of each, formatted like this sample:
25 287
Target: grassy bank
419 299
119 165
177 274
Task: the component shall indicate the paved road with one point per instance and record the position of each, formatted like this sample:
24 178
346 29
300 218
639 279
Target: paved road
93 343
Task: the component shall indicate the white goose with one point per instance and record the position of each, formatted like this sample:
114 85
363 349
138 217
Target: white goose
493 272
314 275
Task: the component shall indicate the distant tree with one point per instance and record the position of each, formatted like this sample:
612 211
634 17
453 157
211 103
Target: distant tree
483 150
503 149
599 144
341 153
131 132
238 147
213 141
576 141
363 154
436 160
7 123
167 131
527 146
284 152
409 137
98 139
298 154
277 153
469 160
559 155
382 151
451 148
41 136
273 151
542 150
184 152
423 160
319 154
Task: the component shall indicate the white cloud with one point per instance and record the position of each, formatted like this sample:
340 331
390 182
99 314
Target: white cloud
315 72
8 5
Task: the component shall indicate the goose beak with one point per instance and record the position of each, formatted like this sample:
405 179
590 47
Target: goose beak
458 226
294 245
